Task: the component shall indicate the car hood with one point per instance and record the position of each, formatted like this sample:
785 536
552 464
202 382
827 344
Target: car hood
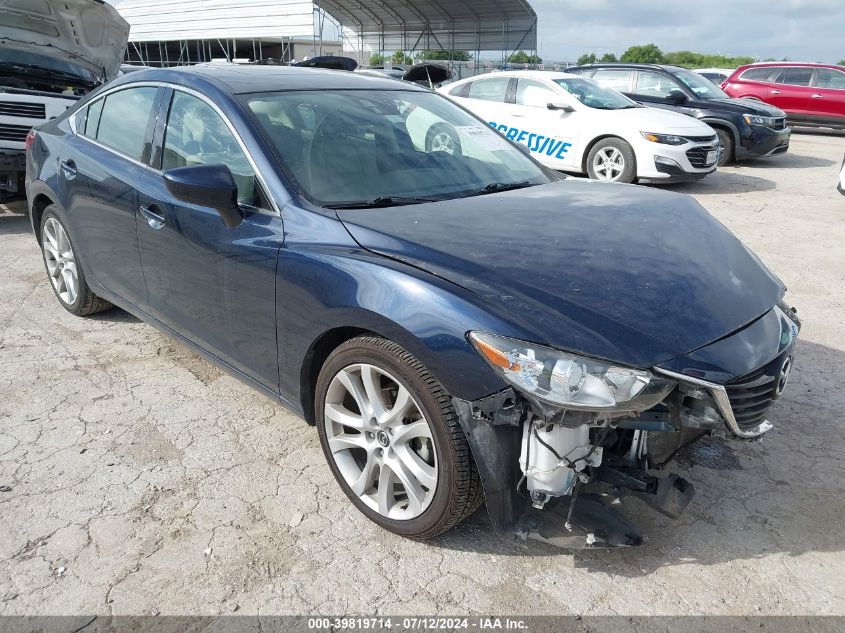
750 106
657 120
86 33
620 272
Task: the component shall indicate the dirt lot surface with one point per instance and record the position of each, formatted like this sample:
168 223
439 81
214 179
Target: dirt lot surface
137 478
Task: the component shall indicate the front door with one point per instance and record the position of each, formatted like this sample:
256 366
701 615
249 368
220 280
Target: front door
214 285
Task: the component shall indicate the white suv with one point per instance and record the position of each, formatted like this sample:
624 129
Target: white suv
51 54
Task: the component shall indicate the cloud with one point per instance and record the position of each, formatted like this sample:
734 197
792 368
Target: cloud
809 30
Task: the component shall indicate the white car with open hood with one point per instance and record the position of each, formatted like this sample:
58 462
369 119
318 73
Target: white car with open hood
51 53
571 123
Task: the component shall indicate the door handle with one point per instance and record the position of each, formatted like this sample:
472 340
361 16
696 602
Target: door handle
155 220
817 96
68 169
775 92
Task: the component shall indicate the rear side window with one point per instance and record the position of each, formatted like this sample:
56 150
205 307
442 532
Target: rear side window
124 120
829 78
796 76
493 89
93 119
617 79
761 74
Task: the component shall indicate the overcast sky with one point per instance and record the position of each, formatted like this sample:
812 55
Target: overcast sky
807 30
811 30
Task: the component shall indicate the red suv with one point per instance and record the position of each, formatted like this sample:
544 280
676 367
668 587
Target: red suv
810 94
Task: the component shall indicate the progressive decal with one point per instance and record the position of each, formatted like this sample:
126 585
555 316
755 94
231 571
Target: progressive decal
536 143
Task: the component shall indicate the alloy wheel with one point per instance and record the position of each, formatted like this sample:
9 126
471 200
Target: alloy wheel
608 164
61 261
380 441
443 142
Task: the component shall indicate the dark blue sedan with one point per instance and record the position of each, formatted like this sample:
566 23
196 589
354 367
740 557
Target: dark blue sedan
460 325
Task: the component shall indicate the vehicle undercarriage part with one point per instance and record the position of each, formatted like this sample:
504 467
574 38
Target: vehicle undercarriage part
545 479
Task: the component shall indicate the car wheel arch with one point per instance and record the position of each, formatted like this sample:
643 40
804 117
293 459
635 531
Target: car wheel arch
39 204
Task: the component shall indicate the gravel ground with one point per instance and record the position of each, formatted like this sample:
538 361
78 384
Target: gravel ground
138 478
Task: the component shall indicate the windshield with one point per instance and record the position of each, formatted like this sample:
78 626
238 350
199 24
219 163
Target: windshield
701 86
26 61
594 95
354 147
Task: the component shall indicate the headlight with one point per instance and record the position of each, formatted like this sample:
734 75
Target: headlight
665 139
753 119
569 381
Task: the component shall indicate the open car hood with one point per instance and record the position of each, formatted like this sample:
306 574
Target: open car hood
427 73
86 33
620 272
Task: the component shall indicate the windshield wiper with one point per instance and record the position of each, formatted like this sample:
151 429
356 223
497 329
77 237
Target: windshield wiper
496 187
381 202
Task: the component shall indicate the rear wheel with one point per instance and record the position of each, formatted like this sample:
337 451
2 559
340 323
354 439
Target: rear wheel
727 143
393 441
612 160
64 270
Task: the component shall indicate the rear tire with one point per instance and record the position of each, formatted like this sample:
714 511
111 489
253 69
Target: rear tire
369 449
727 142
64 270
612 160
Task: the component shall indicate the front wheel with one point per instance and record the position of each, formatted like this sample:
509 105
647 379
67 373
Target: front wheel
612 160
727 143
393 440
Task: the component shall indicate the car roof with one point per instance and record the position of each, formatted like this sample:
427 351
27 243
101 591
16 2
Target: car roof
548 75
796 64
622 65
244 78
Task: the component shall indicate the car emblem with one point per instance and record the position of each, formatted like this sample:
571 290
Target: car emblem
783 376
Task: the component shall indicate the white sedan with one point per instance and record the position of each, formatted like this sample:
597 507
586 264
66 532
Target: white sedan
571 123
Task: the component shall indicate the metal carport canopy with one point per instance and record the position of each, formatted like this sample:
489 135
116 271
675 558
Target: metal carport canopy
472 25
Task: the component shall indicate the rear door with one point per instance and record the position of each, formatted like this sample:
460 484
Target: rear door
487 98
101 166
829 93
792 92
211 284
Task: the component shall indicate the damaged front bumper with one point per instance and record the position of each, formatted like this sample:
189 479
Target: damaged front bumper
722 386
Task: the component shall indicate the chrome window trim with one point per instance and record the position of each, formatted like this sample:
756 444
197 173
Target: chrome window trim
164 84
720 396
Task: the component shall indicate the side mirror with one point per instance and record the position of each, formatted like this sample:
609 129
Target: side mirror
563 107
676 97
206 186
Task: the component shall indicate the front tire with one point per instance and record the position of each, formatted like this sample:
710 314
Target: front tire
393 441
727 143
65 270
612 160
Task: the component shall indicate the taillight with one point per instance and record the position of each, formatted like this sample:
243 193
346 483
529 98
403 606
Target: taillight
30 137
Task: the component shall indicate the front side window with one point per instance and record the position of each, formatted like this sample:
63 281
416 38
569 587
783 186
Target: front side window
797 76
366 146
493 89
124 119
197 135
654 84
829 78
594 95
618 79
533 93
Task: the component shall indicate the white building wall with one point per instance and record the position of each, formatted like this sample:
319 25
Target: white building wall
163 20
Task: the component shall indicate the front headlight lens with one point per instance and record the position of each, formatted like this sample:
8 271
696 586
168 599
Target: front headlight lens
753 119
570 381
665 139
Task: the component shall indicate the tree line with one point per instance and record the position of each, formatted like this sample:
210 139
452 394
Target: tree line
651 54
400 57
